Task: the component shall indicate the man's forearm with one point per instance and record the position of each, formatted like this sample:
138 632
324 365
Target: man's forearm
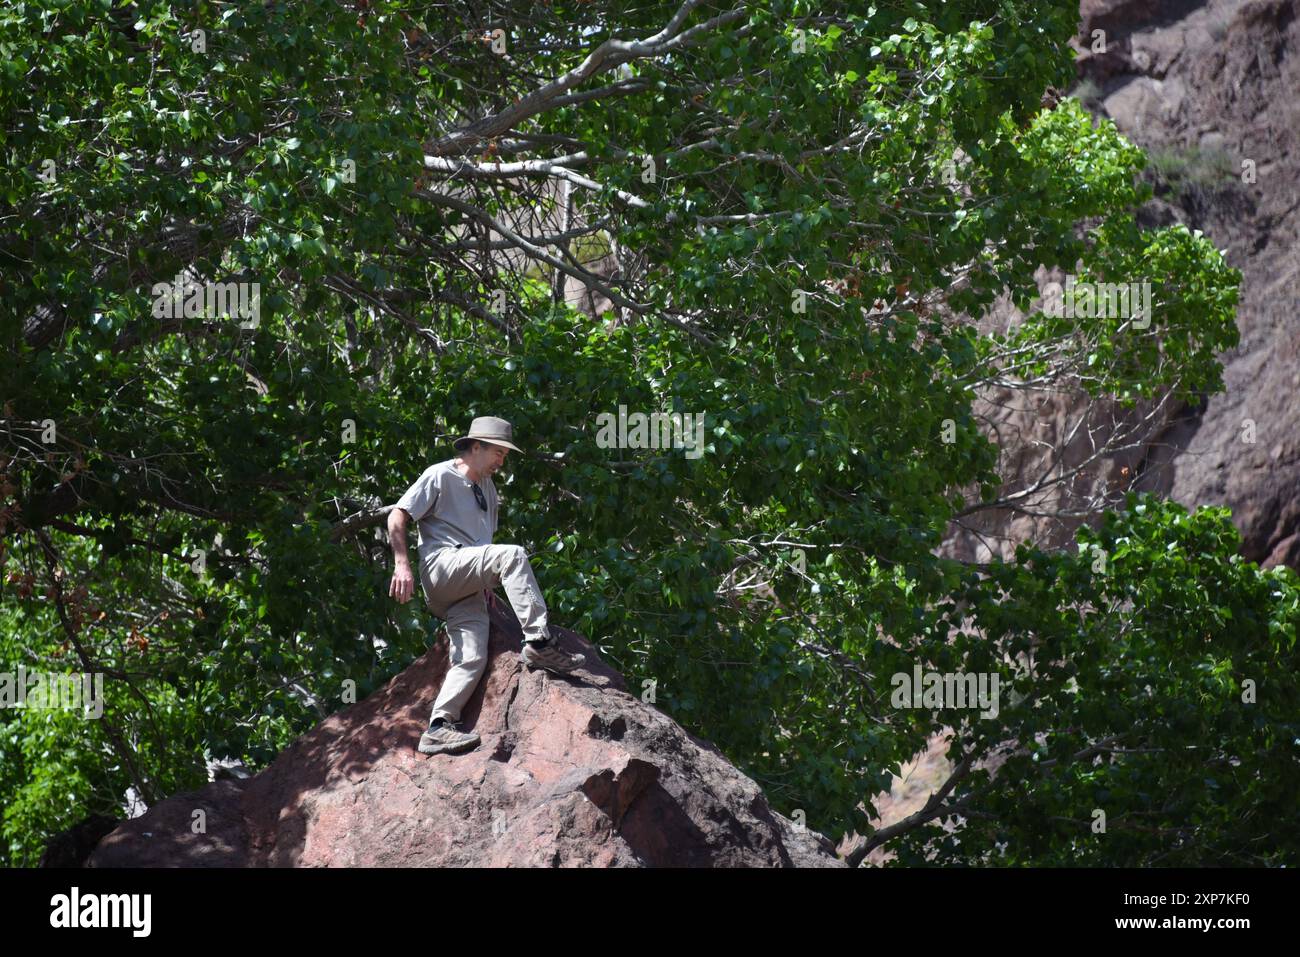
397 536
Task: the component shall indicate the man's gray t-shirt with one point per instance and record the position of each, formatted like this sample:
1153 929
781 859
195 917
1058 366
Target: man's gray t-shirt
446 511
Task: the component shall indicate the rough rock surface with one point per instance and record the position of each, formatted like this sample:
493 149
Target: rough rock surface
1208 90
1217 81
571 771
1213 83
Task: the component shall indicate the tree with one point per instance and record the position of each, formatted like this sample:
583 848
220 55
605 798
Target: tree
808 213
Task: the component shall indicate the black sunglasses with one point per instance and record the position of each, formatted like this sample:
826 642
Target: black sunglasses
478 494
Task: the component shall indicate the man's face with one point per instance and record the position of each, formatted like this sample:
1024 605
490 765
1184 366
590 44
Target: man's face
487 459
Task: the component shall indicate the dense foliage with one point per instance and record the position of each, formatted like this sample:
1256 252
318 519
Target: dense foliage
810 209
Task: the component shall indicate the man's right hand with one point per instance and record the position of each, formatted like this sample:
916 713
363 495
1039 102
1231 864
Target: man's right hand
402 587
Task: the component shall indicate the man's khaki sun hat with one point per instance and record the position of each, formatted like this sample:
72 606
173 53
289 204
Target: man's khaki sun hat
490 429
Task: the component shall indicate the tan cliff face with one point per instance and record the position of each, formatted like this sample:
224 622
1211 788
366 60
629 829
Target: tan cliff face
1203 87
1209 91
572 771
1212 91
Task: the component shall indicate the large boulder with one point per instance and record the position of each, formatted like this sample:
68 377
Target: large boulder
571 771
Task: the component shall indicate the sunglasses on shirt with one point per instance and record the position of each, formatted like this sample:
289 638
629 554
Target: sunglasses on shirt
478 494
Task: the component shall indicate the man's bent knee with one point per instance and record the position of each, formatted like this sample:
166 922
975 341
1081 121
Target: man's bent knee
510 555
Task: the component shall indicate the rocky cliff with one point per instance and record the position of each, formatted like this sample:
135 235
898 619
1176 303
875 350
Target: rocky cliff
1211 90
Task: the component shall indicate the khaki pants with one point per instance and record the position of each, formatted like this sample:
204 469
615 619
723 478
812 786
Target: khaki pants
454 579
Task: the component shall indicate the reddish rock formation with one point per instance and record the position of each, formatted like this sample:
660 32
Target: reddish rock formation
1206 88
1203 85
571 771
1214 83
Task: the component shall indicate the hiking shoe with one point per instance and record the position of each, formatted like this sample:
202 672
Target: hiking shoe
447 738
550 657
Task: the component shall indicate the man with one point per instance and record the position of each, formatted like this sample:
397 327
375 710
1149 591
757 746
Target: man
455 504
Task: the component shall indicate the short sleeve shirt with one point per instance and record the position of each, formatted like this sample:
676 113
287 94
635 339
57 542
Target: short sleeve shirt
446 511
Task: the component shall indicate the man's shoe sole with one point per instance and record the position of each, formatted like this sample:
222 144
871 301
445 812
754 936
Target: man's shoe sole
533 666
439 748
